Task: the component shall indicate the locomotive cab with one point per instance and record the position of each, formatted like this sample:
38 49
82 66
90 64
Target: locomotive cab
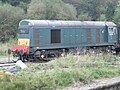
22 49
112 32
24 38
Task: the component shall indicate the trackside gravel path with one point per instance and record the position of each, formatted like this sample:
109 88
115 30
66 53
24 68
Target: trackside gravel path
97 84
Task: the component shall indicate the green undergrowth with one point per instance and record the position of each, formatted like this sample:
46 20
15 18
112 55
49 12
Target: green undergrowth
62 72
5 46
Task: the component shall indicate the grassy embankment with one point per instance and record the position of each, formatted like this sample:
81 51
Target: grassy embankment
62 72
4 47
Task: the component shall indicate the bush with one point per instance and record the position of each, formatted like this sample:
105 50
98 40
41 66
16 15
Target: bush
5 46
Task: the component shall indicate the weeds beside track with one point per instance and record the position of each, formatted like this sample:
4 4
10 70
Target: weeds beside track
62 72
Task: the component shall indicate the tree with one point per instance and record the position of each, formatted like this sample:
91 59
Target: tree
92 7
88 9
110 9
75 3
9 19
15 2
54 9
117 13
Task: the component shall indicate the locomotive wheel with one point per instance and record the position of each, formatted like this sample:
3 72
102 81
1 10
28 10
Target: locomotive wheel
40 56
36 56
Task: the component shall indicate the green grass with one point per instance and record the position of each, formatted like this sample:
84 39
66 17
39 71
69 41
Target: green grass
62 72
5 46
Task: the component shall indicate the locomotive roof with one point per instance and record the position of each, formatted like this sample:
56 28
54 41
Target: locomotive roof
54 23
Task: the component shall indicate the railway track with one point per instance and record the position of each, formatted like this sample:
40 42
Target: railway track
7 64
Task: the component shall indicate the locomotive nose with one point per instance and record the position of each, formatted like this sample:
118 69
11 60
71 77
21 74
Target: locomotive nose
19 49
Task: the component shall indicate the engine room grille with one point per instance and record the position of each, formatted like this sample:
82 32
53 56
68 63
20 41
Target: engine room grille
55 36
36 37
97 36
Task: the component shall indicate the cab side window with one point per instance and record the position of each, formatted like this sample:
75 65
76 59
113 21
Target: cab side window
111 31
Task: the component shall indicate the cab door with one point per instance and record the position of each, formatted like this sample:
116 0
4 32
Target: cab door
112 33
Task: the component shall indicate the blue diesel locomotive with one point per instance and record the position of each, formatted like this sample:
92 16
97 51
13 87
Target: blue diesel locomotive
51 38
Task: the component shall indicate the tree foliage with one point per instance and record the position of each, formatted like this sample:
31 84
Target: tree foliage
54 9
110 9
15 2
9 19
12 11
117 13
87 9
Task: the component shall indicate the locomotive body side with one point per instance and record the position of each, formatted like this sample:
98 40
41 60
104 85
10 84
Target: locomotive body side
43 38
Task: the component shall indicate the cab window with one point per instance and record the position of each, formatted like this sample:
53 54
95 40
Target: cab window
111 31
115 30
